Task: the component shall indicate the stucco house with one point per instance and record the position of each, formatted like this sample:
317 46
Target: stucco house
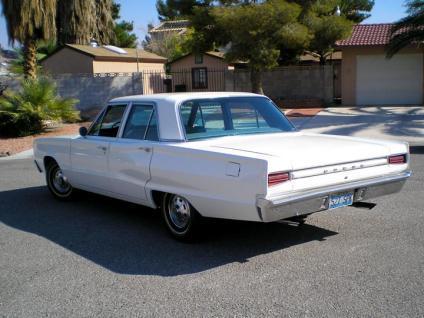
201 72
86 59
369 78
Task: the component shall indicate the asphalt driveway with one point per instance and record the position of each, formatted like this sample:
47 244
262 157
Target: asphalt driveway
389 122
102 257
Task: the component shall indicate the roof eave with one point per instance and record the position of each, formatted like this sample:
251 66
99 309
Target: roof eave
129 59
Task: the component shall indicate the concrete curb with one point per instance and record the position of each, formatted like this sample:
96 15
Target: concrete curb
21 155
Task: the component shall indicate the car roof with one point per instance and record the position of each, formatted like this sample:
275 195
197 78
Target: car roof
179 97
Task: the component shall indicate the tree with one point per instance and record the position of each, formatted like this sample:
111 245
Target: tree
171 46
325 27
356 10
78 21
28 21
178 9
409 30
254 32
123 36
44 48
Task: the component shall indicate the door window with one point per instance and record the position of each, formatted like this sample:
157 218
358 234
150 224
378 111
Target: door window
141 123
110 122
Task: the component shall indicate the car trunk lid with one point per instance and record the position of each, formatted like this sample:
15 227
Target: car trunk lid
305 151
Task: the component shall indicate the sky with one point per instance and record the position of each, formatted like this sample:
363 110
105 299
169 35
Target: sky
142 12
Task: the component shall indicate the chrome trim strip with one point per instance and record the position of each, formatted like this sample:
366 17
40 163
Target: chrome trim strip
38 167
339 167
300 196
343 163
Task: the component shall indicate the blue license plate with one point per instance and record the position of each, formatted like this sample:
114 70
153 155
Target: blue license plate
340 199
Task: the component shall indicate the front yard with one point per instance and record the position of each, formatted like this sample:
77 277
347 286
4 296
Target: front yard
11 146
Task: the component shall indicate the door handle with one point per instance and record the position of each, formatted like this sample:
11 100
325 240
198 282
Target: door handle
102 148
146 149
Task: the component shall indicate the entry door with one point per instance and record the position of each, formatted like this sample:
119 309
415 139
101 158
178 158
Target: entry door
130 155
89 154
89 162
382 81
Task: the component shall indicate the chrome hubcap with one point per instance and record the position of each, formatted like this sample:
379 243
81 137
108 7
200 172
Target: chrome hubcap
60 182
179 211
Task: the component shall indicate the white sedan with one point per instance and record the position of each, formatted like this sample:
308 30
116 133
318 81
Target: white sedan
219 155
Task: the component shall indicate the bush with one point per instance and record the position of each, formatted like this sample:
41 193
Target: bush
35 102
19 125
7 124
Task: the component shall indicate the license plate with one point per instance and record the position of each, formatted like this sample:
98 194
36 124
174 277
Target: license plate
340 199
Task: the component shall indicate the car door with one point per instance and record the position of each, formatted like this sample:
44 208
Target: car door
89 154
130 155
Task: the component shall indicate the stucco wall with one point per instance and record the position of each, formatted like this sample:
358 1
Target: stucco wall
94 92
125 67
68 61
291 82
349 68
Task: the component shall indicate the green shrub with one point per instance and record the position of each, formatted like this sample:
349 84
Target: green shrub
36 101
19 124
7 124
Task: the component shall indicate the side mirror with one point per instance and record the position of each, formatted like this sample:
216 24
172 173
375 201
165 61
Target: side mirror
83 131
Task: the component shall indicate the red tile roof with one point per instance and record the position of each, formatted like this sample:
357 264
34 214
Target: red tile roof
368 35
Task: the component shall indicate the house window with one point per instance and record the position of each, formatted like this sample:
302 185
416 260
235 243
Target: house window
198 59
199 77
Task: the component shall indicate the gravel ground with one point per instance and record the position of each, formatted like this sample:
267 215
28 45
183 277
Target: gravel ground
101 257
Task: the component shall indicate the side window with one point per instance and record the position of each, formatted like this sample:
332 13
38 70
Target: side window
202 117
95 127
137 126
110 123
245 116
152 130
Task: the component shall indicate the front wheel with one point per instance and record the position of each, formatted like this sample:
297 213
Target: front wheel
58 183
181 218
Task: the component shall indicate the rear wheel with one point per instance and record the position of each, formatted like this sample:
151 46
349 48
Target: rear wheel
181 218
57 182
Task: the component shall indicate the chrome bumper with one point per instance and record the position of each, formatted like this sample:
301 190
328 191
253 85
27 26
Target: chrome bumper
316 200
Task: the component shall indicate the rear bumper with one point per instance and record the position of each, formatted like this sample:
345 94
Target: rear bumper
316 200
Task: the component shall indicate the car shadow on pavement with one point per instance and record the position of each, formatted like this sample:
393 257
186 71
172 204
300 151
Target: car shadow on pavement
416 150
131 239
394 125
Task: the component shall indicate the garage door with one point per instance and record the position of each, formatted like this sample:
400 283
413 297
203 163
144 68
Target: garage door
380 81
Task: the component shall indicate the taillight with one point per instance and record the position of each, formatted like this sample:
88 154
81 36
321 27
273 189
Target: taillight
397 159
277 178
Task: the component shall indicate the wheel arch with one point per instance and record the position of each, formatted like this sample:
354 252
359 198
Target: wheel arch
157 197
48 160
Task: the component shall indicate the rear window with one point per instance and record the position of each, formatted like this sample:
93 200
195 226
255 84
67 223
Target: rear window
232 116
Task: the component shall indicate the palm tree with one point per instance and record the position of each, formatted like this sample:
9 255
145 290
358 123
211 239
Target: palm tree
409 30
28 21
78 21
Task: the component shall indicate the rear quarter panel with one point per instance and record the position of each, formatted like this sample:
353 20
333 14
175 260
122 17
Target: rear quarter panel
208 180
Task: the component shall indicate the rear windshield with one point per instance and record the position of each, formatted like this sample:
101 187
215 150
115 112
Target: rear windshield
208 118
